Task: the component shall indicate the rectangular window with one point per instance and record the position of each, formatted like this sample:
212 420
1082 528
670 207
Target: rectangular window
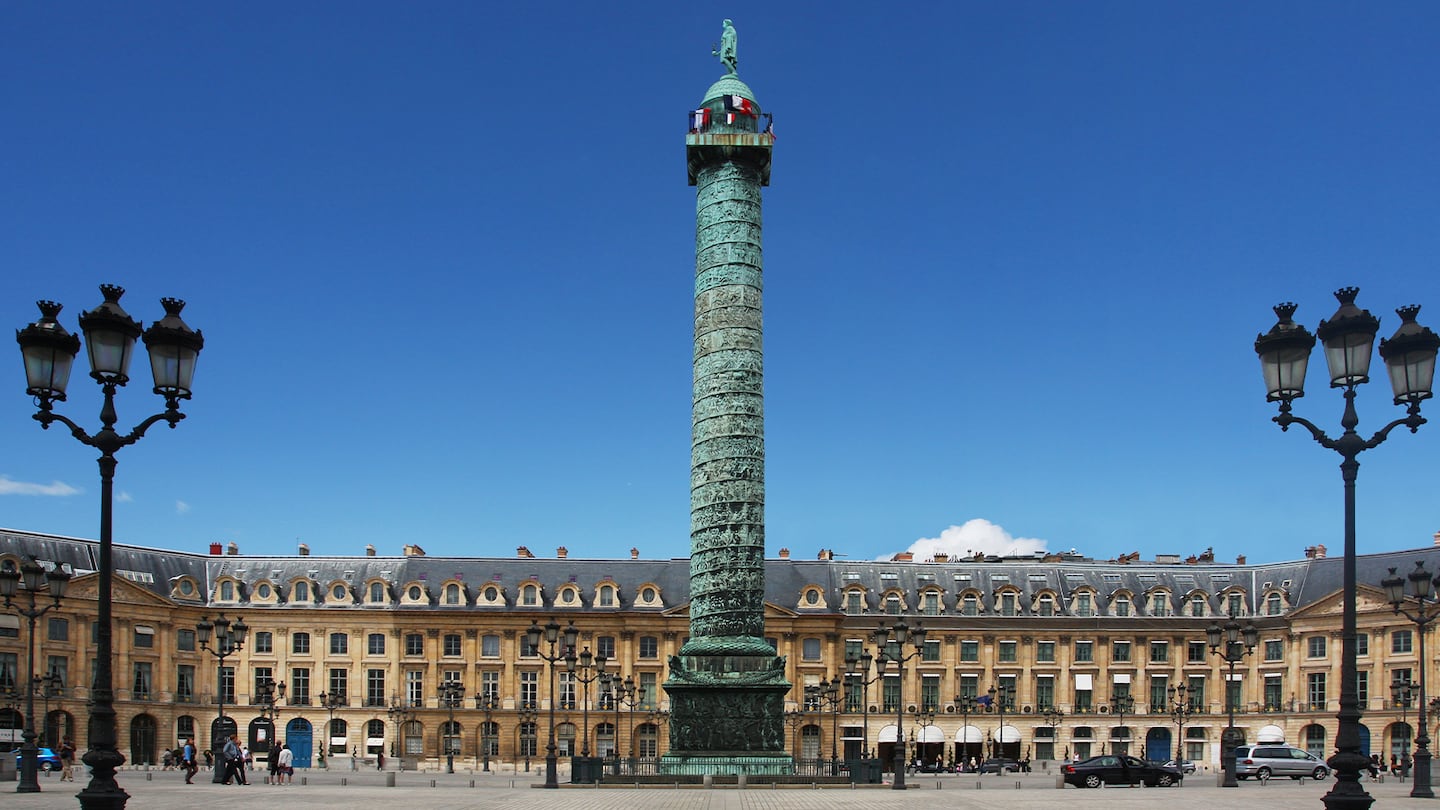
931 602
1120 652
300 644
339 644
810 649
566 685
1006 652
1196 652
929 694
59 666
1362 644
1084 605
969 686
890 693
60 629
227 684
264 642
1159 652
185 641
1159 694
340 682
300 686
1160 604
1044 693
185 683
414 644
1007 604
1084 652
144 636
374 687
1196 693
415 687
490 685
451 645
1315 647
854 602
375 644
650 646
652 697
1274 649
529 690
260 676
1315 691
931 651
1274 693
969 651
1045 652
1362 688
1122 607
604 645
1402 641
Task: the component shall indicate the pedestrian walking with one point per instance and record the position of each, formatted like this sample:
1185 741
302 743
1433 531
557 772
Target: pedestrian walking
234 761
67 760
188 760
287 764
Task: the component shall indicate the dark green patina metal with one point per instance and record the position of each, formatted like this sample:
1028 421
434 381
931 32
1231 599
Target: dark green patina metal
727 685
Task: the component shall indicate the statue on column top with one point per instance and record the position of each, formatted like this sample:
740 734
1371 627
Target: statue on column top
727 48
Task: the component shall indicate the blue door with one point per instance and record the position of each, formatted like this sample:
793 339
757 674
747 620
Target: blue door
1157 745
297 736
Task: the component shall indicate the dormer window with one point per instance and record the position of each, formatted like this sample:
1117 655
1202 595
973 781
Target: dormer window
227 591
452 594
302 592
607 596
529 595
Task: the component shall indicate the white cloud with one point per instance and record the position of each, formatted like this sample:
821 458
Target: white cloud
9 486
181 507
124 497
978 536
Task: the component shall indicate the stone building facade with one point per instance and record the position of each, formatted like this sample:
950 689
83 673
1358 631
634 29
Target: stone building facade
379 634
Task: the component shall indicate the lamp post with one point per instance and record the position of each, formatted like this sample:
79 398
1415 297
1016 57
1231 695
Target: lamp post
658 719
331 702
924 719
1121 705
51 686
1427 607
550 633
585 669
229 639
1402 693
487 702
402 712
966 705
34 577
890 642
858 667
451 694
1180 711
826 696
527 718
795 717
49 353
268 694
1409 357
1001 698
1052 717
1231 643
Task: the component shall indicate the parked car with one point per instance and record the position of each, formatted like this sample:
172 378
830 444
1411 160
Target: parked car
1186 766
1117 769
45 760
1264 761
999 765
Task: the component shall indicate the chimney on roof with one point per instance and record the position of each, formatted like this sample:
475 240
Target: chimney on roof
825 554
413 551
903 556
215 549
522 551
1309 552
232 549
634 553
304 550
369 550
940 557
1240 559
561 553
1436 538
1319 551
784 553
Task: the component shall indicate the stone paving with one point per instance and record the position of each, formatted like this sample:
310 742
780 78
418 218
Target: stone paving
166 790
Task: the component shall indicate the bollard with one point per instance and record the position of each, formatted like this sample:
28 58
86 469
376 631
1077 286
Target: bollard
708 781
432 783
937 784
1017 784
304 780
390 779
149 777
472 783
740 781
344 781
979 784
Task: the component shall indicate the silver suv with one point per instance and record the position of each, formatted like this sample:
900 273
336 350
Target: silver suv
1264 761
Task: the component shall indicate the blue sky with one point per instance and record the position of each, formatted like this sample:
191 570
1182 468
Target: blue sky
1016 256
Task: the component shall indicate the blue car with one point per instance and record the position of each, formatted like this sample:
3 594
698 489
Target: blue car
45 760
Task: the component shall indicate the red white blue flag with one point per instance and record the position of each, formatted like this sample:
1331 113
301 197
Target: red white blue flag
700 119
740 104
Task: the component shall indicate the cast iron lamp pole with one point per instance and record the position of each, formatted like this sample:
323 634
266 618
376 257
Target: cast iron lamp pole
550 633
1180 710
451 694
269 693
967 705
1409 357
488 702
859 666
1001 698
1226 642
1121 705
1402 692
1427 607
35 577
585 669
52 686
229 639
822 697
402 712
49 353
884 638
795 717
331 702
527 718
1052 718
924 719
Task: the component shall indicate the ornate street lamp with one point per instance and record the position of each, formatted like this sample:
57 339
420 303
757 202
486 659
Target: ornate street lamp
268 695
1180 711
34 577
858 673
1231 643
890 642
924 719
1001 698
331 702
826 696
1427 607
52 687
550 633
1409 357
526 719
795 718
966 705
487 702
1402 694
402 712
1121 705
1052 717
229 639
584 669
49 352
451 695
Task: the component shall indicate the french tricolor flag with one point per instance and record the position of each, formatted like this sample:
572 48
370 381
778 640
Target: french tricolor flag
740 104
700 119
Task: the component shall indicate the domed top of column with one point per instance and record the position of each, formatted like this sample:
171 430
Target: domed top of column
728 85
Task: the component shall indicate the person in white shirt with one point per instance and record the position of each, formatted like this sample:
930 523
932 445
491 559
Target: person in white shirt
287 760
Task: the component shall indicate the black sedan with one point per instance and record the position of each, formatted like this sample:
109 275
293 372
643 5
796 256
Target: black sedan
999 765
1118 769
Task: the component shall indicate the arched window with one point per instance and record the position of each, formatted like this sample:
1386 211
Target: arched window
1273 605
452 594
377 592
1160 604
302 592
529 595
227 591
607 596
